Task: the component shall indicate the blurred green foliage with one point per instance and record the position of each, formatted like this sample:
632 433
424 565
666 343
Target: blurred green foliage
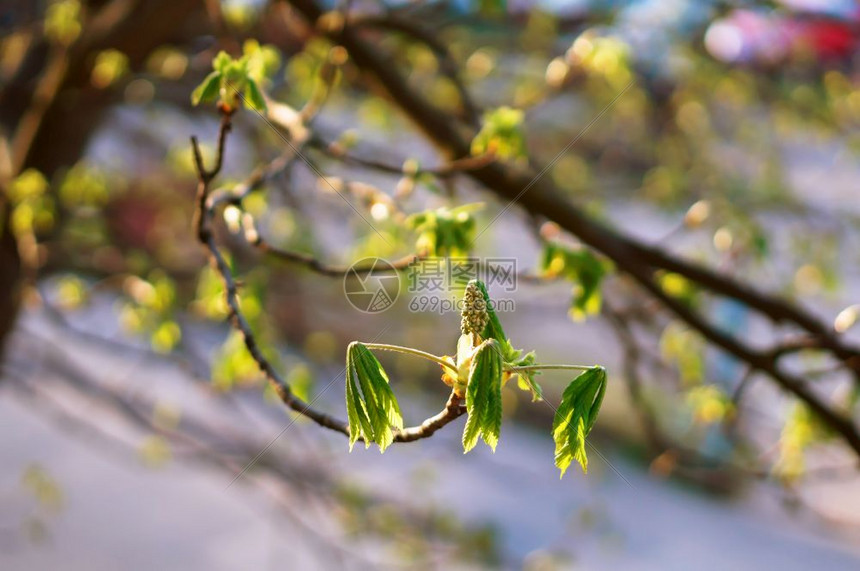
63 21
445 232
239 80
581 267
501 134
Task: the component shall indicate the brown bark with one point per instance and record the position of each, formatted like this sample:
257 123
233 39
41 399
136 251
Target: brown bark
10 274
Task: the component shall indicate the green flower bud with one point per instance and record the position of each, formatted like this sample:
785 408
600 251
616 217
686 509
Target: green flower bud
474 313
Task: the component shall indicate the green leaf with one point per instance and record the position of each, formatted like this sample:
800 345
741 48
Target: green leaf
526 379
254 97
371 406
484 396
208 90
575 417
263 61
359 424
222 62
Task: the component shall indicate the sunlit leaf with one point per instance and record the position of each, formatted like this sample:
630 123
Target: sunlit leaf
29 185
526 379
372 408
484 396
110 66
222 62
165 338
43 486
301 381
263 61
155 451
208 90
580 405
233 364
253 96
84 185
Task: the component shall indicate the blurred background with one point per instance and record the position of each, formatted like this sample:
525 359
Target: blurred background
137 431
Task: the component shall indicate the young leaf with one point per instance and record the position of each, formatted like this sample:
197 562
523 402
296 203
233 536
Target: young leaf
526 379
367 364
462 361
372 408
208 90
263 61
221 62
253 96
484 396
575 417
359 424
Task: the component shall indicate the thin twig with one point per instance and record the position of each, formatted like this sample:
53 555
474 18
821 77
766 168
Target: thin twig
335 150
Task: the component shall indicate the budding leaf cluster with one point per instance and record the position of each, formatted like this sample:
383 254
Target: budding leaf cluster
480 320
484 362
235 80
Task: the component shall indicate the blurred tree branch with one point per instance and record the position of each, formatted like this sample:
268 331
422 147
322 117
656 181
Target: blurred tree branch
48 109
